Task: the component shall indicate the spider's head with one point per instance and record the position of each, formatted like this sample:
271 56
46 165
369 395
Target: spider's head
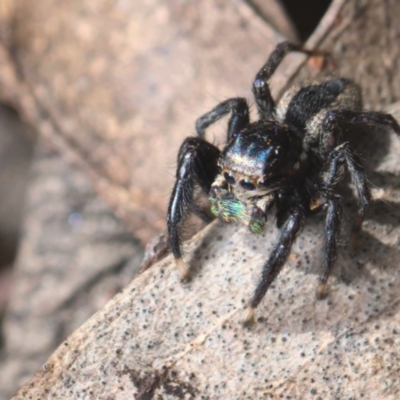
263 157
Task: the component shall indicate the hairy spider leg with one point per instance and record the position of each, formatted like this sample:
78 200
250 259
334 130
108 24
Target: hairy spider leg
368 118
197 163
278 257
265 102
331 174
334 213
239 118
332 122
336 118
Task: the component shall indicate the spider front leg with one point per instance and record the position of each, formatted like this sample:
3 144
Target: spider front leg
197 164
278 257
262 94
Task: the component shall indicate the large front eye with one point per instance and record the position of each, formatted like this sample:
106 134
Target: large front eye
246 185
229 178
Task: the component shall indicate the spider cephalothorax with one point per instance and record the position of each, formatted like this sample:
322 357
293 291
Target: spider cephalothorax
292 158
261 158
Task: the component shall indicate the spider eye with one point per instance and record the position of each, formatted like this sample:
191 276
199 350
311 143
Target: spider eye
229 178
246 185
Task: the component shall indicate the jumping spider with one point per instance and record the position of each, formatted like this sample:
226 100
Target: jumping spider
292 158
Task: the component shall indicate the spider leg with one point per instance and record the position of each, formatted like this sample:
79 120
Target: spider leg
334 119
359 180
334 213
239 119
368 118
197 163
262 94
331 126
278 257
331 174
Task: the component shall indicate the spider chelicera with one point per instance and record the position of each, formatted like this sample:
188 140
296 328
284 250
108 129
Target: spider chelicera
292 158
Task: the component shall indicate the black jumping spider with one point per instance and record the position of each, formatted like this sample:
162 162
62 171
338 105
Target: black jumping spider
292 158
